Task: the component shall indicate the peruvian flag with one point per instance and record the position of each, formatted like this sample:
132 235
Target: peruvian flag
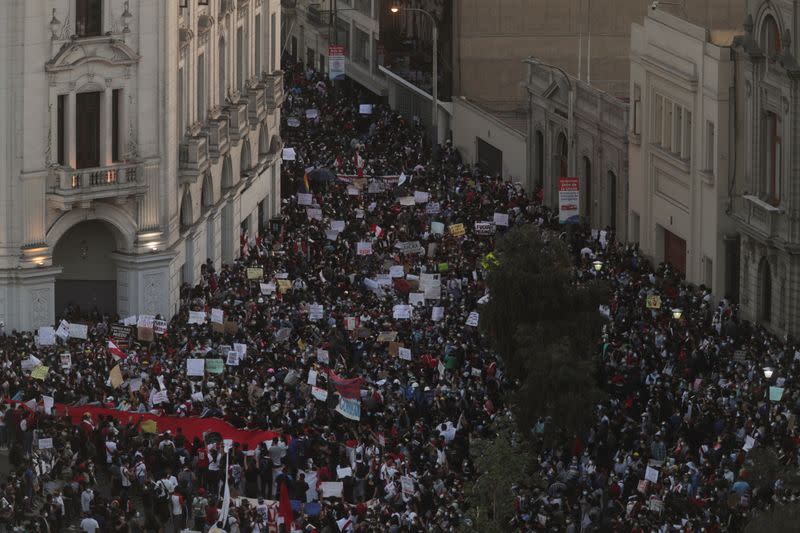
115 351
377 231
285 508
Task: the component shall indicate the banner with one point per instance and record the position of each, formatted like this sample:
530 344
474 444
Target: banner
350 409
336 62
191 426
569 200
348 388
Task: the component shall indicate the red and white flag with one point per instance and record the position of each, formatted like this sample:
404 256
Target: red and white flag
114 350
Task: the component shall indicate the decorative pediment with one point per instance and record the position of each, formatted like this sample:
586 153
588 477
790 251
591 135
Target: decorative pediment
106 50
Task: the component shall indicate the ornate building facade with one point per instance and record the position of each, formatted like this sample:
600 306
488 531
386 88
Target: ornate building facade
765 192
138 140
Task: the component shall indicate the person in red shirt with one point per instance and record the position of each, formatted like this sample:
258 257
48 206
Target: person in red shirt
212 513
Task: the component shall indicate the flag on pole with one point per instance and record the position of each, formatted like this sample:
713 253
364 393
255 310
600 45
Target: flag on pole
226 497
306 184
114 350
285 508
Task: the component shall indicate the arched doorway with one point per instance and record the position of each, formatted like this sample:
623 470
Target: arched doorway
88 281
764 291
612 200
587 188
227 173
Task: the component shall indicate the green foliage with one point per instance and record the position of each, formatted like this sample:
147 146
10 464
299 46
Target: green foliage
502 462
544 324
781 518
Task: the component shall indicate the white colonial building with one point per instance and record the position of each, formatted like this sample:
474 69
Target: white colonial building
307 33
680 153
138 139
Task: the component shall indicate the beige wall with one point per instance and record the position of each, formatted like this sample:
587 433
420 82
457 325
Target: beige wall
494 36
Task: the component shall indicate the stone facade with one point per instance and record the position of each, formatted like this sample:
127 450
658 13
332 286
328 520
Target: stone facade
576 130
765 196
159 122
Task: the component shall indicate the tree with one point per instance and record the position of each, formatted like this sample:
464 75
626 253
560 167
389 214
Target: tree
543 323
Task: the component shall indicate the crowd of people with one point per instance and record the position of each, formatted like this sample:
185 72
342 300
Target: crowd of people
357 311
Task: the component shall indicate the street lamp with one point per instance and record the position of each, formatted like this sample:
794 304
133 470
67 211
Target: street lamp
435 117
598 265
768 371
677 313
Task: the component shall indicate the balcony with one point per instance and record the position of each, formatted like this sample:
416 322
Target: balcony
193 158
256 108
217 132
237 120
273 84
765 219
68 188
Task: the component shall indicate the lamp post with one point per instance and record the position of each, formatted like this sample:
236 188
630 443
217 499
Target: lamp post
597 265
768 371
677 313
435 115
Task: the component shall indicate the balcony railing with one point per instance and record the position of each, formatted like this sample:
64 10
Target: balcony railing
760 215
237 120
193 154
217 130
256 106
273 84
120 180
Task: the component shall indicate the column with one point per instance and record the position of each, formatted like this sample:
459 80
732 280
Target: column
70 130
105 128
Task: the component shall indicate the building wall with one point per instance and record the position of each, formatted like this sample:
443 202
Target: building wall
681 83
595 130
495 36
470 123
310 33
150 196
765 202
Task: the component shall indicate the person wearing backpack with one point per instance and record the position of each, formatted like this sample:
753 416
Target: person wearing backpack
199 506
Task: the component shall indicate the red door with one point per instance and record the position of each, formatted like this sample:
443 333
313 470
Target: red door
675 251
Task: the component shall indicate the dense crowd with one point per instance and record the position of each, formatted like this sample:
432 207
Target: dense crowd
380 397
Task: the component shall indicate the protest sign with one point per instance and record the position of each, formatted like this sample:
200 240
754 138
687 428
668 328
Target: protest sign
289 154
364 248
337 225
267 288
407 201
775 393
437 314
48 402
401 312
457 230
195 367
241 349
314 213
79 331
121 335
40 372
130 321
311 114
217 316
397 271
232 358
63 330
431 286
407 485
322 356
304 198
351 323
342 473
45 444
653 301
416 298
158 397
197 317
115 377
394 348
284 286
214 366
255 273
316 312
749 442
159 327
568 200
65 360
405 353
312 377
500 219
433 208
331 489
349 408
365 109
484 228
409 247
651 474
473 318
319 394
437 228
47 336
421 197
387 336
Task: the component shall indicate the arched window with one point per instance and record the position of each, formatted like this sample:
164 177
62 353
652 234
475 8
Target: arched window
770 37
207 198
263 142
764 291
223 73
186 210
245 163
227 173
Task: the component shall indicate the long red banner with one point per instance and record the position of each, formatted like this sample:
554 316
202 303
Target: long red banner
191 427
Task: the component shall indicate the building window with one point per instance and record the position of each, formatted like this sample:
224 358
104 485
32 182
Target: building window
240 61
658 120
771 38
258 45
666 138
223 73
273 24
772 157
201 87
637 109
88 18
710 147
686 149
116 102
361 47
677 142
62 130
343 35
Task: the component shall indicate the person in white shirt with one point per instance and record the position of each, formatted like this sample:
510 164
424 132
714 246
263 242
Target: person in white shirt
89 524
86 500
